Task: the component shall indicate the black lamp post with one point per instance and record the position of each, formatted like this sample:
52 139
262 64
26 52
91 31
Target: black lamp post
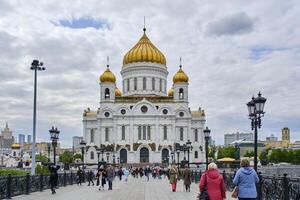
184 150
36 65
82 145
114 158
172 157
189 147
102 152
48 148
54 133
256 111
107 157
178 152
98 150
206 136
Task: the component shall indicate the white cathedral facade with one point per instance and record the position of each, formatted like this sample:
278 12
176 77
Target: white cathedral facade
143 124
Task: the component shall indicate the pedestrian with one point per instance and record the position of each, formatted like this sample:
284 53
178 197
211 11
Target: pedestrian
110 176
101 175
213 182
173 177
126 174
79 176
147 172
53 177
120 173
91 177
245 180
187 178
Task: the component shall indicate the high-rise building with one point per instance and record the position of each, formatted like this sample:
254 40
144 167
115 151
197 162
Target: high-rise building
76 142
6 140
231 137
21 139
28 138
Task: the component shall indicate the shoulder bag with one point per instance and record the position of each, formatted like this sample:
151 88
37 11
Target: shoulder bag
204 194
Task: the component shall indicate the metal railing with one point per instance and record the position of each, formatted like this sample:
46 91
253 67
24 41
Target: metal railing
268 188
11 186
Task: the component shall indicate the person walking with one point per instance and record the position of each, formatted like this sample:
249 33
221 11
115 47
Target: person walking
101 175
110 176
147 172
53 177
91 177
79 176
213 181
245 180
126 174
173 177
120 173
187 178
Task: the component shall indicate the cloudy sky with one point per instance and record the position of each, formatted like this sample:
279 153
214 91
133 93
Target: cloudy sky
230 50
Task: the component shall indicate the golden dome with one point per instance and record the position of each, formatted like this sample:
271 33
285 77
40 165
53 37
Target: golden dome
15 146
118 92
171 92
144 51
107 76
180 77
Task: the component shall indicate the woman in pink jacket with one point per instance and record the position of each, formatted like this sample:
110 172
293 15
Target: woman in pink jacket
215 185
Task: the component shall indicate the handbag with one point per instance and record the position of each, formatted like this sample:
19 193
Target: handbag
204 194
234 193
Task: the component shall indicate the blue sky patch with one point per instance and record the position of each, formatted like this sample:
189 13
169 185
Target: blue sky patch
84 22
258 52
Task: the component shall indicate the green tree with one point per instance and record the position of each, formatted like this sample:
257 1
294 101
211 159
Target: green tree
212 152
41 169
77 156
263 157
226 152
249 154
66 157
41 158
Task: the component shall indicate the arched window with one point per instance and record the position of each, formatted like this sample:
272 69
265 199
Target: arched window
92 135
181 134
106 134
106 93
123 132
196 135
148 133
165 132
92 155
153 83
128 85
140 132
196 154
181 95
135 83
144 83
160 85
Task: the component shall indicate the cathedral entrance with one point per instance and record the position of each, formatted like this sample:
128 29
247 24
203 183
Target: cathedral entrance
144 155
123 156
165 156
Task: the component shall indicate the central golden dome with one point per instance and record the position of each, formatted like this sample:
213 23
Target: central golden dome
144 51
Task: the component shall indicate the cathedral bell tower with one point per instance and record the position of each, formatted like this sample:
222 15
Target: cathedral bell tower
107 85
180 86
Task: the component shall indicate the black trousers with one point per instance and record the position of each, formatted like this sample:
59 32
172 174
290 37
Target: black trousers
109 184
91 180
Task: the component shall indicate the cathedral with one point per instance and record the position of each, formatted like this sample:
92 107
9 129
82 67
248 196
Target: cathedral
143 123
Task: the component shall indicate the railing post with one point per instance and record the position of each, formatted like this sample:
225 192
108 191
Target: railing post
8 187
224 176
27 183
41 182
285 189
71 177
260 186
65 179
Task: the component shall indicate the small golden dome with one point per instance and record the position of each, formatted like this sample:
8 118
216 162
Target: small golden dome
180 77
15 146
144 51
118 92
107 76
171 92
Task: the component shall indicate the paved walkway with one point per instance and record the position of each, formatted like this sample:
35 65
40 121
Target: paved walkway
135 189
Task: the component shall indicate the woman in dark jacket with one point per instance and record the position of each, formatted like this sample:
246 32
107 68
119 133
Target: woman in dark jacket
53 177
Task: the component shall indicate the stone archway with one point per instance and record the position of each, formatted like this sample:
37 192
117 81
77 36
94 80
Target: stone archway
144 155
165 156
123 156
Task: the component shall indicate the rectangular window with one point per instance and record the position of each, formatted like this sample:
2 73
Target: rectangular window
106 134
123 132
196 154
144 132
128 85
196 135
181 134
160 85
153 83
135 83
144 83
148 132
165 132
140 132
92 135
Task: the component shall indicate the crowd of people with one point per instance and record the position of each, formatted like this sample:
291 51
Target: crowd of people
211 181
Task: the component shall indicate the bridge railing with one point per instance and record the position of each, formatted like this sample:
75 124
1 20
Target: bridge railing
268 188
11 186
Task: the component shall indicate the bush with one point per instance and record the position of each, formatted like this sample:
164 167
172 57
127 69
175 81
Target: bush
41 169
13 172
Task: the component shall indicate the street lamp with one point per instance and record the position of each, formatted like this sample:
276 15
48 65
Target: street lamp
102 152
48 148
114 158
54 133
184 150
36 65
178 152
107 157
189 146
172 156
82 145
206 136
256 111
118 160
98 150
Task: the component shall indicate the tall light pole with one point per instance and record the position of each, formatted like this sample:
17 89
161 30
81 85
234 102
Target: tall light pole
178 152
82 145
189 146
36 65
98 154
256 111
54 133
206 136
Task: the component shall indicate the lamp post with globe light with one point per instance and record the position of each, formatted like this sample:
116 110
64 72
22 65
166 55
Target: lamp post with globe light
206 136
